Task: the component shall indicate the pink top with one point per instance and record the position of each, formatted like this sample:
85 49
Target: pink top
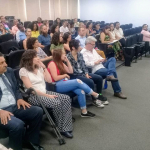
146 35
14 29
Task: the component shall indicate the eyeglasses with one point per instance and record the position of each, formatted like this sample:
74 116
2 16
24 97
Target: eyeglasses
92 44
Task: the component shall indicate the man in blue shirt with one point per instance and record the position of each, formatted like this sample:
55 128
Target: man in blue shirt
81 37
20 35
44 38
14 112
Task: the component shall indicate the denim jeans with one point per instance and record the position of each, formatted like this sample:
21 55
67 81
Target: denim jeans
96 79
76 86
110 69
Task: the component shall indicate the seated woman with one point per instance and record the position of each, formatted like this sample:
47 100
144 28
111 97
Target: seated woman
35 30
66 40
105 37
97 28
33 73
28 35
32 43
72 30
57 42
59 73
55 28
39 21
58 22
112 32
80 71
89 29
3 29
145 32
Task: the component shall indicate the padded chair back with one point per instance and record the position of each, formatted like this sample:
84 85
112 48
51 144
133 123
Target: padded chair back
26 23
7 47
6 37
134 39
47 50
13 59
46 62
21 44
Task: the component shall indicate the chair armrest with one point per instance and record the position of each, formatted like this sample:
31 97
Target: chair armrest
51 86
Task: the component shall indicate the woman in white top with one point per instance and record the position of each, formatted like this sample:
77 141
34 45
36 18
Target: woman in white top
34 74
112 32
32 43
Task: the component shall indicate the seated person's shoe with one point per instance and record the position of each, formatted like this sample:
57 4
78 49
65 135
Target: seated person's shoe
103 99
111 78
88 114
98 103
36 147
120 95
67 134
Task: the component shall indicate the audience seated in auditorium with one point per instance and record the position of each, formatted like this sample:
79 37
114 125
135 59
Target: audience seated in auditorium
76 23
20 35
80 71
63 29
54 28
59 73
72 30
145 32
34 74
14 112
3 30
15 28
34 30
81 37
57 41
39 21
101 66
97 28
58 22
105 37
44 38
28 35
32 43
89 29
66 40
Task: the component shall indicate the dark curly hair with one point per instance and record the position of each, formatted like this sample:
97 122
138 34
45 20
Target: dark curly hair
74 43
55 39
53 28
66 36
32 26
27 60
30 42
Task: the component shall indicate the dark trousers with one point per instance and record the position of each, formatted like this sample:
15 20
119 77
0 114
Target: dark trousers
16 126
98 80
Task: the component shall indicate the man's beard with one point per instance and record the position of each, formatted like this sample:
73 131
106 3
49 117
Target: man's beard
45 34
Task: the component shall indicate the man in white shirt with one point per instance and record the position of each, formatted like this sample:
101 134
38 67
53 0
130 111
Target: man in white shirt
119 32
64 28
100 66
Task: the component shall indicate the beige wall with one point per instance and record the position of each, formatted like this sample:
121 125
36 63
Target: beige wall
29 10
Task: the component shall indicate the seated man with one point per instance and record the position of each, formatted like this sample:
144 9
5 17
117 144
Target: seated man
44 38
80 71
14 112
63 29
145 32
100 66
20 35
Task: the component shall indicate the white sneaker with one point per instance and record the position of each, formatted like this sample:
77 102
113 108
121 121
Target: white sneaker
105 102
98 103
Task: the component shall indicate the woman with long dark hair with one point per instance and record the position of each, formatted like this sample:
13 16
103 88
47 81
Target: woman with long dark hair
66 40
59 72
35 30
54 28
34 74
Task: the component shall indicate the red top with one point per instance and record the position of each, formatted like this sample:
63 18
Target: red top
58 73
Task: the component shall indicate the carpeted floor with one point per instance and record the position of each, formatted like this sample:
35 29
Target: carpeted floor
122 125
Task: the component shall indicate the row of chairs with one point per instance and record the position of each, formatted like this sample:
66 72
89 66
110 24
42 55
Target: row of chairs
131 31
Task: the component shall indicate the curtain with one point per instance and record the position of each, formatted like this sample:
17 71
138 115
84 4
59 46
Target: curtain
30 10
